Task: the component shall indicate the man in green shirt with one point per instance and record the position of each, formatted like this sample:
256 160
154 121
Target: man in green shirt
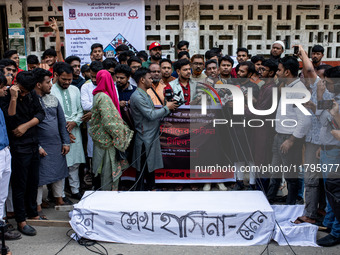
155 54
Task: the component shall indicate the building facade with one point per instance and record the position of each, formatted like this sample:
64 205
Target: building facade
204 23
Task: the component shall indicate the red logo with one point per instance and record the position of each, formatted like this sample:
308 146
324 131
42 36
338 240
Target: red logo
133 14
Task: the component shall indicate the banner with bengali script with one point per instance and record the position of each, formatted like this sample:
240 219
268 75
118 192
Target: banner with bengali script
110 23
184 144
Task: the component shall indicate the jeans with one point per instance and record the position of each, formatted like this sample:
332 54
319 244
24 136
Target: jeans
329 157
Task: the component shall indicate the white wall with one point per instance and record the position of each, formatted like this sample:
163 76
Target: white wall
166 26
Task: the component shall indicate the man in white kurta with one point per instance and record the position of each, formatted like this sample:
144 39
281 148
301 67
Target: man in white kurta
86 103
69 97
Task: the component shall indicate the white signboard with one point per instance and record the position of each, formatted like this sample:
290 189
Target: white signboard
109 23
175 218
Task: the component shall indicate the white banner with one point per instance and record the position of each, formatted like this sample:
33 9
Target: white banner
108 22
175 218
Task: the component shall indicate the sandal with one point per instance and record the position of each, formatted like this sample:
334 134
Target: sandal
41 215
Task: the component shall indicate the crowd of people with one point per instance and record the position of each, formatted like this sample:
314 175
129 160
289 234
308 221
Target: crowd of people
61 118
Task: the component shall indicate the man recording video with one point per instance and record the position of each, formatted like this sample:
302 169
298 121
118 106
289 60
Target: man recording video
147 156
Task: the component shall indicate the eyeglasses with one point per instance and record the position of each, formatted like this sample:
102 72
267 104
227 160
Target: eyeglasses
198 64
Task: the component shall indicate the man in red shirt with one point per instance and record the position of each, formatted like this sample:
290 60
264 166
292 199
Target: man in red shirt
183 83
242 56
13 55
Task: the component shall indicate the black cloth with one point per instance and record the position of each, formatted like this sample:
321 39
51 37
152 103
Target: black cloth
24 180
27 108
239 135
124 95
333 193
78 82
291 160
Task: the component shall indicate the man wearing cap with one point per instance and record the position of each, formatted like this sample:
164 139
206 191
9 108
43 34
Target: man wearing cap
155 50
277 51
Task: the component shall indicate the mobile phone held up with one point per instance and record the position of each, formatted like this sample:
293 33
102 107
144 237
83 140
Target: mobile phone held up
296 50
325 104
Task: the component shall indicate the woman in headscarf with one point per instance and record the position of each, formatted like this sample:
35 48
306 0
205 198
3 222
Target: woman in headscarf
109 132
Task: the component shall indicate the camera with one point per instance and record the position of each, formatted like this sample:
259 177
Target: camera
171 96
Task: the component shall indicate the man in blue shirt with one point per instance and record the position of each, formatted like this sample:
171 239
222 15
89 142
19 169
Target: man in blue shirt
5 161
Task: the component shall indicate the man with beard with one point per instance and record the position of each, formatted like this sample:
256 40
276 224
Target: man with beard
225 66
197 66
54 141
166 69
134 63
277 51
147 156
156 92
155 50
244 70
74 62
69 97
85 72
288 142
125 89
317 55
242 55
330 156
183 83
87 99
211 68
262 137
97 52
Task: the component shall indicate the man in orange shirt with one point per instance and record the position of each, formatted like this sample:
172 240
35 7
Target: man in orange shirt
156 92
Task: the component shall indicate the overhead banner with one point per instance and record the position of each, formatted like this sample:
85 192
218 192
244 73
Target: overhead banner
109 23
